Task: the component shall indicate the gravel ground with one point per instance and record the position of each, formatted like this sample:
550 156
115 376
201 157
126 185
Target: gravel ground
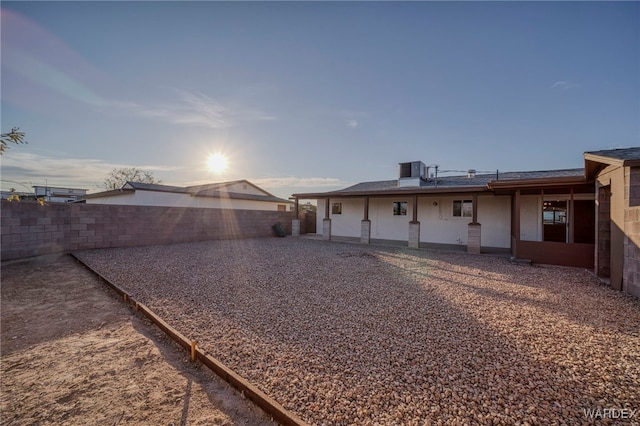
346 333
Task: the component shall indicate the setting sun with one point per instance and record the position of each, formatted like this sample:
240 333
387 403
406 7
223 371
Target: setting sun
217 163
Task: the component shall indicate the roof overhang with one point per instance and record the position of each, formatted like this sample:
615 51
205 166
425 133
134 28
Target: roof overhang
538 183
393 192
593 164
239 196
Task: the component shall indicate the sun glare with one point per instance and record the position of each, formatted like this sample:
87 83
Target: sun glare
217 163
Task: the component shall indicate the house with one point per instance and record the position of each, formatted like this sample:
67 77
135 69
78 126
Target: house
476 210
575 217
54 194
10 195
49 194
238 195
616 174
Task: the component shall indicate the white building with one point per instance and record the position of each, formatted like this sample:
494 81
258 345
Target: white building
238 195
53 194
544 216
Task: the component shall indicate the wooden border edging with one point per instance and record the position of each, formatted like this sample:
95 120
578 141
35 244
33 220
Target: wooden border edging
262 400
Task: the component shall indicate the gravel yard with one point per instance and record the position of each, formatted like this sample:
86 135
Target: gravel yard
352 334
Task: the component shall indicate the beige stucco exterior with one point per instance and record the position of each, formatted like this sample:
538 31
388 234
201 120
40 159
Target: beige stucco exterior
617 256
613 178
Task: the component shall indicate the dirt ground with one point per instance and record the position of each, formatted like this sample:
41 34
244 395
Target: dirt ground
71 353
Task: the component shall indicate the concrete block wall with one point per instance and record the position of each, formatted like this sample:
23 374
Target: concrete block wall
631 269
29 229
631 272
603 225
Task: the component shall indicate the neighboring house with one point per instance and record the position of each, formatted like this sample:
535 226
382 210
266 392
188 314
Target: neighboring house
544 216
6 195
617 185
54 194
238 195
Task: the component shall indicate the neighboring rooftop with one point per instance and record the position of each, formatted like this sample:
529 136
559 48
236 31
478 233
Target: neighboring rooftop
214 190
154 187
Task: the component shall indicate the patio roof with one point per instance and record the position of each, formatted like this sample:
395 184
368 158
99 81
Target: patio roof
484 182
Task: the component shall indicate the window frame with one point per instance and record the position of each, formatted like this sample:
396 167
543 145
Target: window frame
336 208
465 210
400 208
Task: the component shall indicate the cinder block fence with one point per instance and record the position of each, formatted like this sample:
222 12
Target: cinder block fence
29 229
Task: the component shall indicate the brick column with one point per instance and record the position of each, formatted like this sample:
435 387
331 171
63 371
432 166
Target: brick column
326 229
631 267
414 234
295 228
602 263
473 238
365 231
631 273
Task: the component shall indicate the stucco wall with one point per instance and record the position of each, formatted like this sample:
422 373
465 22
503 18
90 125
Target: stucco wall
170 199
613 176
531 218
29 229
494 214
437 223
347 224
386 226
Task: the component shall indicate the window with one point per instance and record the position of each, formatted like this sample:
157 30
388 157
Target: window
554 221
554 212
336 208
399 208
462 208
282 208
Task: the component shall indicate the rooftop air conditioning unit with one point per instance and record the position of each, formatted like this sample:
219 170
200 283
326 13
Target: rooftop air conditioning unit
412 173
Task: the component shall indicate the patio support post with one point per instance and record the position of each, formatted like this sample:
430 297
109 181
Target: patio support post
571 216
414 226
295 223
365 225
474 229
515 216
326 222
542 215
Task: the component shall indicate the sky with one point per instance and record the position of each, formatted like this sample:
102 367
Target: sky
312 96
